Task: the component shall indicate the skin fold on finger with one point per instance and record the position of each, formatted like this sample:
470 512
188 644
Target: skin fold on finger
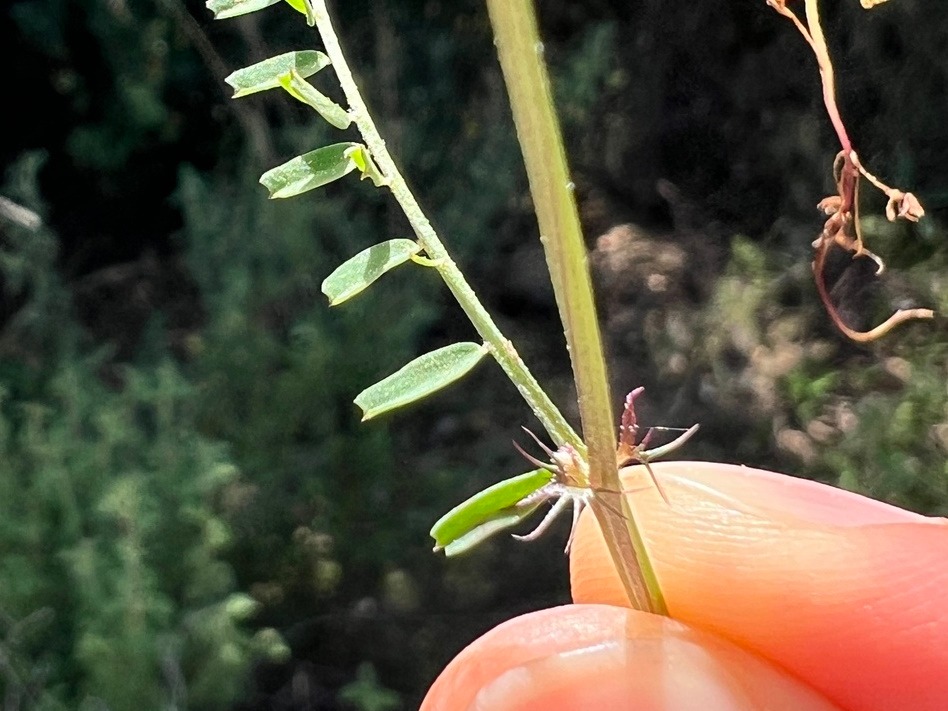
603 657
844 592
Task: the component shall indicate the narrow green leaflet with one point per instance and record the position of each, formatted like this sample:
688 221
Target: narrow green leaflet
422 377
223 9
500 521
356 274
488 508
310 170
268 73
367 166
297 87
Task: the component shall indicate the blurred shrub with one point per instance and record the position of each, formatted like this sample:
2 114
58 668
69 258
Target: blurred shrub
277 372
113 590
872 419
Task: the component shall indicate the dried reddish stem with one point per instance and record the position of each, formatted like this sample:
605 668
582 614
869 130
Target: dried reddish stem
842 226
826 72
900 316
817 41
842 229
781 8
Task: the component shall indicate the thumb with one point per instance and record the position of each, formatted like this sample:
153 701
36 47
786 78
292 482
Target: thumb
844 592
603 657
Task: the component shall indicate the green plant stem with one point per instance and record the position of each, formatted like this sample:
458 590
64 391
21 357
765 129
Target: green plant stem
500 347
521 59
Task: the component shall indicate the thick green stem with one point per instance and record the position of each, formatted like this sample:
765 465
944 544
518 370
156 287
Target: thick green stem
521 59
500 347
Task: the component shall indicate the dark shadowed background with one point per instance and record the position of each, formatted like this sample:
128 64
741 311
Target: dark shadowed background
191 514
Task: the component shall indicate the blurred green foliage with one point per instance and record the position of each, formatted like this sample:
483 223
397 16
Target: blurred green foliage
278 372
110 525
366 694
873 420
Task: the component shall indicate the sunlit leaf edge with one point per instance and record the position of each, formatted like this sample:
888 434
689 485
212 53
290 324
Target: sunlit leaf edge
300 174
266 75
224 9
424 376
501 521
340 286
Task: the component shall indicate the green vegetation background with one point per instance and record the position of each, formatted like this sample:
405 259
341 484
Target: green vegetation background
191 515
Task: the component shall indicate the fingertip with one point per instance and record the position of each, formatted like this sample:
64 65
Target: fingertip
594 656
841 590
